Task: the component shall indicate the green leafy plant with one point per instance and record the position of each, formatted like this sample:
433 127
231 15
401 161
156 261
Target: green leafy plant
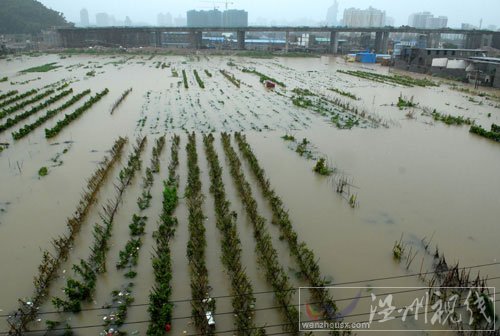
44 171
322 168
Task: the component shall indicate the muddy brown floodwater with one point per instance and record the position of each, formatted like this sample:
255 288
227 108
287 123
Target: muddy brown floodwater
412 176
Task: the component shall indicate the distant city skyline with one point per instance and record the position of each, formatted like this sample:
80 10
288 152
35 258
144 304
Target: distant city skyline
282 11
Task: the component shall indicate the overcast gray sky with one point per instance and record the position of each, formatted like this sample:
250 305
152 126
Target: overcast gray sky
458 11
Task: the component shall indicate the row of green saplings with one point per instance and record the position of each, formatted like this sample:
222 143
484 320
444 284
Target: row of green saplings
28 128
17 98
394 79
230 77
304 256
129 255
243 300
184 78
21 104
324 168
198 79
267 256
8 94
160 306
263 77
120 100
202 304
69 118
47 271
35 109
78 291
493 134
451 281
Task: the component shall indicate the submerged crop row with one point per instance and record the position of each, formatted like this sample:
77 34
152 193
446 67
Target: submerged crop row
263 77
8 94
267 255
201 303
52 132
243 300
35 109
231 78
493 134
160 305
120 100
78 291
47 271
386 79
24 103
198 79
27 129
303 255
17 98
128 256
184 78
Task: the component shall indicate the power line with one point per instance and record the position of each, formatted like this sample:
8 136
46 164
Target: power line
291 289
225 331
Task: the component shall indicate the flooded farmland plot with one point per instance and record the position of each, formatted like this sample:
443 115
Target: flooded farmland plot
152 194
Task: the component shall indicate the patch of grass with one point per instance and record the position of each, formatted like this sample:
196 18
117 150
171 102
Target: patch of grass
4 79
42 68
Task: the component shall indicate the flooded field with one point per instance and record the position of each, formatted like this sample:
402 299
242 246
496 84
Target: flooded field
402 179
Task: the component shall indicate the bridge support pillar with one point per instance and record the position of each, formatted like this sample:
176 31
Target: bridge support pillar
240 34
287 41
433 40
384 43
334 42
478 41
378 41
196 38
158 37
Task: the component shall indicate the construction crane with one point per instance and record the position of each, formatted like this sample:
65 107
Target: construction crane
226 3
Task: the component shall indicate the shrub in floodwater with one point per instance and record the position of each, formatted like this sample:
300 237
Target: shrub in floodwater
288 137
322 167
43 171
404 102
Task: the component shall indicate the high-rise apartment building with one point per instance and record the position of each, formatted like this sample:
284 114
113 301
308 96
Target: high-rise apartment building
216 18
332 14
102 20
84 18
371 17
427 20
